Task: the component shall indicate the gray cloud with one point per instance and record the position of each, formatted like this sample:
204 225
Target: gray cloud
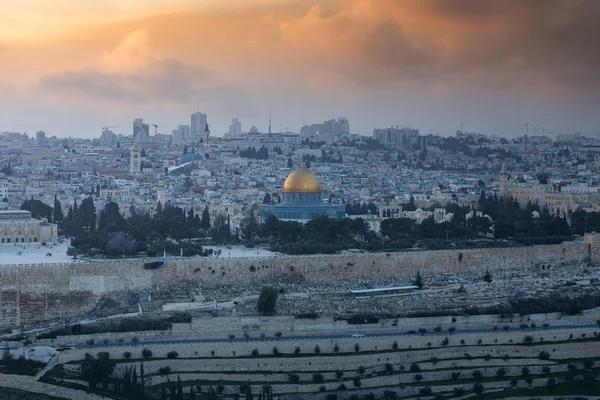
554 40
165 80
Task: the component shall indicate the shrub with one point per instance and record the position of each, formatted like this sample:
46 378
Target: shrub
455 375
478 388
418 377
544 355
501 372
162 371
318 378
146 353
317 349
415 368
255 352
513 382
487 357
356 348
297 351
275 351
425 391
389 368
546 369
389 395
477 375
172 354
361 370
322 388
336 348
342 387
459 391
127 355
588 364
437 329
331 396
294 378
525 371
528 339
572 368
451 330
395 347
445 341
90 342
278 335
339 374
267 301
356 382
551 384
422 331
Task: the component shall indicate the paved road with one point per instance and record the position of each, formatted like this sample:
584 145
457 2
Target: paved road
29 384
338 337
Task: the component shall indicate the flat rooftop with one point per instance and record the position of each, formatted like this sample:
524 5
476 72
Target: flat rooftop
383 290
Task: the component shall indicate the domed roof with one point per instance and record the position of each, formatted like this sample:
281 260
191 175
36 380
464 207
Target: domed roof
302 181
189 157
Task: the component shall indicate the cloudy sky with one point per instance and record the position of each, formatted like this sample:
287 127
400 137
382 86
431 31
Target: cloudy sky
70 67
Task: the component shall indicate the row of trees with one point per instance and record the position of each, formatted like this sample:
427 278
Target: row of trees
99 370
169 229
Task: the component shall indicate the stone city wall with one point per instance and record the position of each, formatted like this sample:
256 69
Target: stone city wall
91 280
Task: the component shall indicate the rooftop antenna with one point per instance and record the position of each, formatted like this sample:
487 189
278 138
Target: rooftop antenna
269 121
198 104
279 124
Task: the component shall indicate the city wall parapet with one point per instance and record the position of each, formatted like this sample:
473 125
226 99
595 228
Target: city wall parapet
97 278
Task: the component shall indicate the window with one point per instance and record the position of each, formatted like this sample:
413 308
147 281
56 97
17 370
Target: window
35 239
2 240
8 240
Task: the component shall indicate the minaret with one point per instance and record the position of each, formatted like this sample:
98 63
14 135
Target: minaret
161 194
504 190
135 158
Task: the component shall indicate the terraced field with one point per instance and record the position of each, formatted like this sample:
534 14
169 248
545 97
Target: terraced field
492 366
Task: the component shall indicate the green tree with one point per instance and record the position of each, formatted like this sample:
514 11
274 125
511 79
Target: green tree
38 209
267 198
205 222
267 301
59 218
418 280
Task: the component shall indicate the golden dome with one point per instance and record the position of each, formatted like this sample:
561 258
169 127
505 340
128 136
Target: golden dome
302 181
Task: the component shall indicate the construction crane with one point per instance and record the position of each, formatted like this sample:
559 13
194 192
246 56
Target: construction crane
155 128
105 128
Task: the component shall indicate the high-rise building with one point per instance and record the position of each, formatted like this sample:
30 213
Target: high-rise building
199 126
181 134
40 137
329 127
235 129
141 131
396 135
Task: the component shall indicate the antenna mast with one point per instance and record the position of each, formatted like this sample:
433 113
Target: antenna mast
269 121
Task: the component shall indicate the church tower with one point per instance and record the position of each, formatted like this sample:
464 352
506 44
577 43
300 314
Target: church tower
161 194
504 189
135 158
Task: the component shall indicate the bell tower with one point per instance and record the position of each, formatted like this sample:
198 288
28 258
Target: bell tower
135 158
